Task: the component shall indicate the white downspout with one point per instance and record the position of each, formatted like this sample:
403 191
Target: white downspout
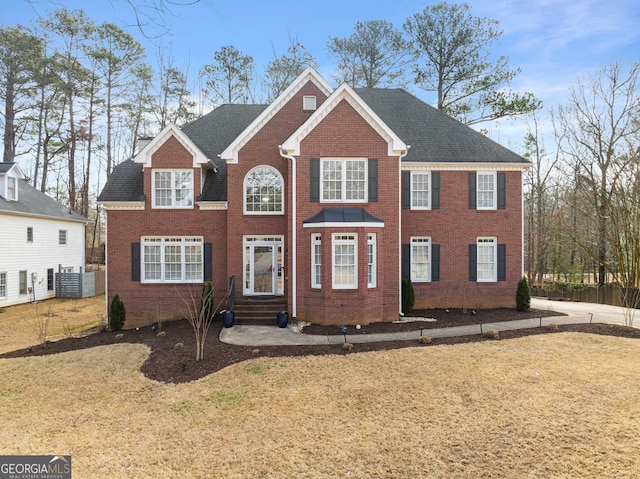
400 227
294 239
106 269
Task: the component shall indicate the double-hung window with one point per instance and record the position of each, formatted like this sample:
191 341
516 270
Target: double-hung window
420 259
62 237
487 259
345 266
371 260
486 191
22 282
316 261
344 180
12 189
3 285
29 234
172 188
420 191
172 260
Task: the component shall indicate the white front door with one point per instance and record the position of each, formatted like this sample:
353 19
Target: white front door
263 266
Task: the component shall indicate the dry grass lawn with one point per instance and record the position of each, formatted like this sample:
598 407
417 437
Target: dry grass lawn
24 324
551 406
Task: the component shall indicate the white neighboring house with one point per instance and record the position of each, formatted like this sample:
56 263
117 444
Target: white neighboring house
37 236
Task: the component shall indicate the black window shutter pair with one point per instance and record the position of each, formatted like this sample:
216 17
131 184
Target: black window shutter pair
502 190
473 262
372 179
435 262
135 262
406 190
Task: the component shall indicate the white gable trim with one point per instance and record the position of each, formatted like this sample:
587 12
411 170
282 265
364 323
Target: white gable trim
230 154
144 156
344 92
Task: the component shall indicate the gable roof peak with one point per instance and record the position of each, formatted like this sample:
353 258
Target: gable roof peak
230 154
145 154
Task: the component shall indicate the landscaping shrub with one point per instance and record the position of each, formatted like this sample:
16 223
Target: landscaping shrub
523 295
117 314
408 296
207 304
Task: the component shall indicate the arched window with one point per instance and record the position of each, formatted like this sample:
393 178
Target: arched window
263 191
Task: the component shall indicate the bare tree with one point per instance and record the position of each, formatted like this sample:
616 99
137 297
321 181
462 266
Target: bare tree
282 70
596 132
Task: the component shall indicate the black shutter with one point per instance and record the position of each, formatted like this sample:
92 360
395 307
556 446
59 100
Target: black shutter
135 261
315 179
435 190
406 261
208 261
406 189
435 262
373 179
473 262
502 262
472 190
502 190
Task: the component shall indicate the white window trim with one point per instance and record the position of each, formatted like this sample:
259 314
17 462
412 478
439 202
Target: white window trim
173 199
12 188
421 240
484 240
23 273
343 181
316 242
421 173
495 190
372 276
29 230
244 193
335 242
3 285
184 241
66 238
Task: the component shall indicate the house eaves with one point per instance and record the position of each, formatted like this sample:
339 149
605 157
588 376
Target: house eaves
144 156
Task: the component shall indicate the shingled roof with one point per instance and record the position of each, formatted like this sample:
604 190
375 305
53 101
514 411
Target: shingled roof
32 202
434 137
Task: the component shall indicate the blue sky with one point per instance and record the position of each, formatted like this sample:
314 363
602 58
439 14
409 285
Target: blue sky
552 41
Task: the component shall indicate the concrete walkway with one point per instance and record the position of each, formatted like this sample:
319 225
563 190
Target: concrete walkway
247 335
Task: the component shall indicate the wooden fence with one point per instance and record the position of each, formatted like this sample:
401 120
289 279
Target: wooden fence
607 294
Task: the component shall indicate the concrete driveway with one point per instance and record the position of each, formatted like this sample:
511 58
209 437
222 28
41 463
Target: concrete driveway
602 313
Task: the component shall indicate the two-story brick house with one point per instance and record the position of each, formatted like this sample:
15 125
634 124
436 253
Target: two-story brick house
326 198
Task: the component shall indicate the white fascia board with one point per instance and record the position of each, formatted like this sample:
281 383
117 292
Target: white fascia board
122 205
337 224
230 154
144 156
463 166
396 147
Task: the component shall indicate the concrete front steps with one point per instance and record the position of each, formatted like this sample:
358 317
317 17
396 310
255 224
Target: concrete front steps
262 311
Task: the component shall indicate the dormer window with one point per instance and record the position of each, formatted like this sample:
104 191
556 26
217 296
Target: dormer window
309 102
172 189
12 189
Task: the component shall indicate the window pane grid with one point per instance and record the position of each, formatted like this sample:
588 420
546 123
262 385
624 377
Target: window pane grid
3 285
172 259
263 191
344 180
485 190
420 195
420 259
344 261
173 189
316 273
486 259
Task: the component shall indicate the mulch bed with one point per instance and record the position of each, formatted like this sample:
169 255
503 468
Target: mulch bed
176 364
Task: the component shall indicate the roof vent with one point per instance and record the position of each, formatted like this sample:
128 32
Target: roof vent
309 102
